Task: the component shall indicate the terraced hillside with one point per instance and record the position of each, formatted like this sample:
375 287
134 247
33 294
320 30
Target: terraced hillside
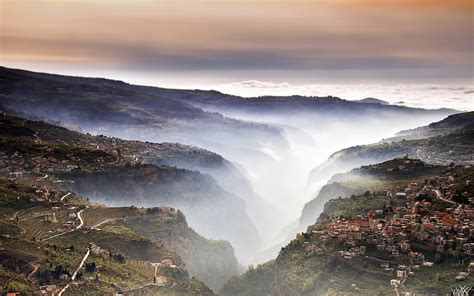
64 244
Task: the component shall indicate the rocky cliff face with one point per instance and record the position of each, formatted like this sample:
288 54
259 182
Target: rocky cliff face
211 211
314 208
211 261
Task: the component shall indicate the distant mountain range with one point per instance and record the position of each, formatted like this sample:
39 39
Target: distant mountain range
115 108
97 104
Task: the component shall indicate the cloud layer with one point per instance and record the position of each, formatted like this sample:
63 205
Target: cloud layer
408 39
413 95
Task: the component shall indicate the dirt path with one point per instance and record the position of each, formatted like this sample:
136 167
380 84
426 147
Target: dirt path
73 277
29 277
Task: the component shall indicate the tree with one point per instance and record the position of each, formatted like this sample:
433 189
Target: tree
119 258
90 267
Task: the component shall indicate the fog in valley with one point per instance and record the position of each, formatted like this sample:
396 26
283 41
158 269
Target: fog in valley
273 175
257 172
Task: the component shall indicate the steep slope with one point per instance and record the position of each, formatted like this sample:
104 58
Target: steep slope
338 185
388 239
211 210
442 142
229 177
115 176
116 109
448 125
211 261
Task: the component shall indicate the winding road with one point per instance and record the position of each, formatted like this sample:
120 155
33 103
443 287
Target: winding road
29 277
441 197
65 195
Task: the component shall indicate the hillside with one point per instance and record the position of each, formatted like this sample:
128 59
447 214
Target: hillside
228 176
110 171
356 182
211 261
46 234
405 229
102 106
448 140
448 125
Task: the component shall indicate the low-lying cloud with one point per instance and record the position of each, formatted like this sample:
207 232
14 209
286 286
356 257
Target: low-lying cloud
417 95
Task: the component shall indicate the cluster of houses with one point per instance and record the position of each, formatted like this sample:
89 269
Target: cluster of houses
47 290
18 166
411 221
69 224
167 263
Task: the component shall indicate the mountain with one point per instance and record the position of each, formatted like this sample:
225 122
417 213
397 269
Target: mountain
119 110
114 108
229 177
110 171
442 142
448 125
252 133
54 241
211 261
217 101
404 229
372 101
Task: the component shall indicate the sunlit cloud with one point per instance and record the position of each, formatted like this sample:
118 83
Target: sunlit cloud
411 38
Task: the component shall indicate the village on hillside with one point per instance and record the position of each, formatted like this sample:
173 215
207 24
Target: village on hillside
430 217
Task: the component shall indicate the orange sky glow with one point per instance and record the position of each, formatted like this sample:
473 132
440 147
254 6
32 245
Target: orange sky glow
384 38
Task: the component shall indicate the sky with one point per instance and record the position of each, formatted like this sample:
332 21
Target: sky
311 47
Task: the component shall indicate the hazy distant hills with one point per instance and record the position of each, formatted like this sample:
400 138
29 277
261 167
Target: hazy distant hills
114 108
448 125
86 102
217 101
372 101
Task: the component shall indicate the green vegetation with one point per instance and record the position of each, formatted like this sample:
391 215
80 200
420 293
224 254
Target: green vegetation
120 258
